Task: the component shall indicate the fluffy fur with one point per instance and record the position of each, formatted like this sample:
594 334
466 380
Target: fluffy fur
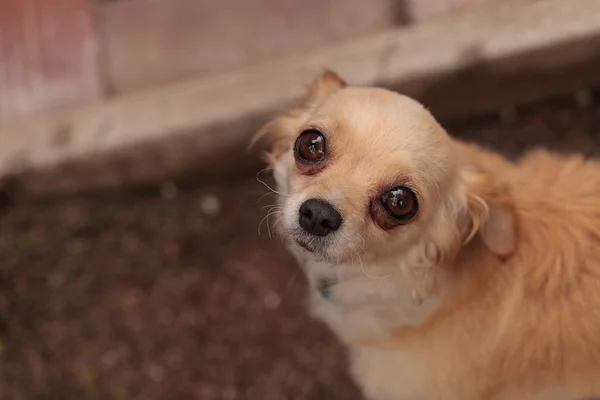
492 292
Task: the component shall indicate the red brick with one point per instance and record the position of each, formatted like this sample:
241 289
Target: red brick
47 55
152 42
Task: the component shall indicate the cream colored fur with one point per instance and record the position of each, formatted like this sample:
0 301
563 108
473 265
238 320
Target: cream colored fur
492 292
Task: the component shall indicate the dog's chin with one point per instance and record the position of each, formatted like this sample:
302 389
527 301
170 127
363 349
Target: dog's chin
315 249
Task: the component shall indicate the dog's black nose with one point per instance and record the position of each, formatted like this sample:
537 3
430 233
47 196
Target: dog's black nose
319 218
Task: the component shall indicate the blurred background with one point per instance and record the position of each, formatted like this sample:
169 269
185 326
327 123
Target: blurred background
136 255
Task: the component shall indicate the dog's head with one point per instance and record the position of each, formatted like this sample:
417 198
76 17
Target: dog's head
370 172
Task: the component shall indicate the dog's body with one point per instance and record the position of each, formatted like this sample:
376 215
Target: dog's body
490 289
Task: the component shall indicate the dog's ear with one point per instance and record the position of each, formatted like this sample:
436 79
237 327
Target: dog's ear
322 87
490 213
482 208
281 131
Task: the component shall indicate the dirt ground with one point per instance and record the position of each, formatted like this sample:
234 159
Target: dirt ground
172 294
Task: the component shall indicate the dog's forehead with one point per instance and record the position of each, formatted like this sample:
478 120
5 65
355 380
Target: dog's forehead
379 123
379 116
365 125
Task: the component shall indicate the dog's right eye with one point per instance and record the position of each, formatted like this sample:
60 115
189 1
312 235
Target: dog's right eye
310 146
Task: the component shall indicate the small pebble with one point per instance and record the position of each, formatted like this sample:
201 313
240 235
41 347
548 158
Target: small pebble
272 300
169 190
210 205
111 358
156 372
56 280
131 243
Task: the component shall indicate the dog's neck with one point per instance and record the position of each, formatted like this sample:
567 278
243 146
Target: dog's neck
358 301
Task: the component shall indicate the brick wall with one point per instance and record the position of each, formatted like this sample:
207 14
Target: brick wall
63 53
47 56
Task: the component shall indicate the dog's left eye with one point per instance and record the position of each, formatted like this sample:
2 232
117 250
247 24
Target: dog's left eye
400 202
310 146
395 207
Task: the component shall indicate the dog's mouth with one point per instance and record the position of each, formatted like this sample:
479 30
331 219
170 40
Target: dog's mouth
306 245
313 245
318 246
310 243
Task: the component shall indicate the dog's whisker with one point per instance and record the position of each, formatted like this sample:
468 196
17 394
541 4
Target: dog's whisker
269 225
363 243
272 211
362 267
261 222
271 206
356 253
265 195
263 170
271 189
267 186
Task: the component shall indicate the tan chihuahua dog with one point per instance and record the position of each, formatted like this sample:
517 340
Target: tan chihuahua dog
449 272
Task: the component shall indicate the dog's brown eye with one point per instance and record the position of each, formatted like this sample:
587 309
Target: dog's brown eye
395 207
310 146
400 203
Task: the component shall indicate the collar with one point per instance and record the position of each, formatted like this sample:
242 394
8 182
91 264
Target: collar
324 288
